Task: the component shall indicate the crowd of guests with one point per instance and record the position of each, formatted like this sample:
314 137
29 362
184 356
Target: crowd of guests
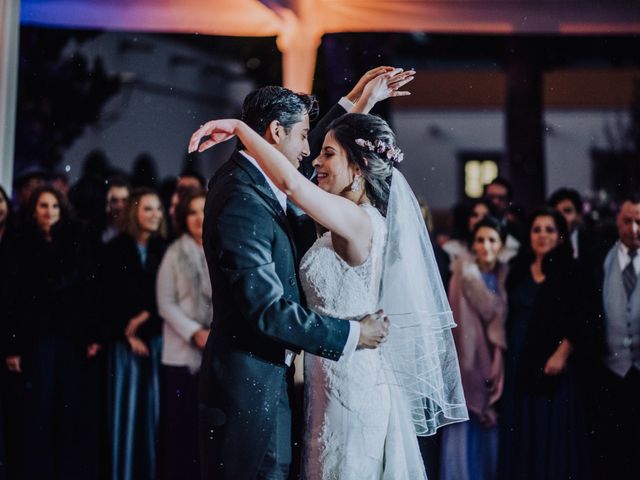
105 312
106 306
548 333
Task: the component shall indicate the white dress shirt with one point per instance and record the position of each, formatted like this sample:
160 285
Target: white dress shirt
354 326
345 103
624 258
574 243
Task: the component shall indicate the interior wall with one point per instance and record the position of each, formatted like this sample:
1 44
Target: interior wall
433 139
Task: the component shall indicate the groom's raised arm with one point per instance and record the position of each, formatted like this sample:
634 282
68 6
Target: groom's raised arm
242 239
317 134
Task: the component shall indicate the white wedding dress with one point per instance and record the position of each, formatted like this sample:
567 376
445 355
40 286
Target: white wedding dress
357 426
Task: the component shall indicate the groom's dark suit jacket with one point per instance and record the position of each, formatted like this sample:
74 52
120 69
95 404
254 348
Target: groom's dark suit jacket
253 259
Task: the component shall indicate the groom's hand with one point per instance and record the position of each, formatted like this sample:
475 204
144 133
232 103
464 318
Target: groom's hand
374 329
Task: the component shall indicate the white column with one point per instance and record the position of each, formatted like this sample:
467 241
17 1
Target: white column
298 66
9 36
298 41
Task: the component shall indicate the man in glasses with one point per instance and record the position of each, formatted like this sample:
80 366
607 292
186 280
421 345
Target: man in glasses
499 194
568 202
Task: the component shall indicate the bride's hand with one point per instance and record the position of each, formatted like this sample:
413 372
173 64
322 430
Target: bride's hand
216 131
384 86
357 90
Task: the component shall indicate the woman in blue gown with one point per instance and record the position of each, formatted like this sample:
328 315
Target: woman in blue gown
130 266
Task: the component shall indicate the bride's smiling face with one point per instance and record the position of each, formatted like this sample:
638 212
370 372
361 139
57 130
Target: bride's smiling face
334 172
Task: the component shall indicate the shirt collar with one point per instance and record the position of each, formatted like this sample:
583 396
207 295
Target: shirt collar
624 250
280 195
574 243
624 259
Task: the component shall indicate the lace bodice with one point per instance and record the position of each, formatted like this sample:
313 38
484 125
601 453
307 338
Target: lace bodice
335 288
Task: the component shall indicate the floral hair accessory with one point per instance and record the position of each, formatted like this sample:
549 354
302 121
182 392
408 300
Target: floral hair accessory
392 153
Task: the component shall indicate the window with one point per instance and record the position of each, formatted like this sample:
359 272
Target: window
477 171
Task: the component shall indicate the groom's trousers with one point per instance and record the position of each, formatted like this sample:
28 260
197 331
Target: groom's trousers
277 459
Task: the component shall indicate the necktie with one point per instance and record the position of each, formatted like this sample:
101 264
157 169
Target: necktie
629 276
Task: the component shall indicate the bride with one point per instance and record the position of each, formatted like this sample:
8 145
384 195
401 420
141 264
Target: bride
363 412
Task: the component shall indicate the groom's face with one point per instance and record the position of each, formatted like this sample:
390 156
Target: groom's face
294 145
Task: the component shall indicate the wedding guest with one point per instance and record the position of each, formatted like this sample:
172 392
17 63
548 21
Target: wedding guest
184 303
43 297
542 428
617 399
6 211
569 203
115 207
116 203
24 184
101 233
5 234
499 194
96 385
459 245
188 180
129 269
176 197
479 303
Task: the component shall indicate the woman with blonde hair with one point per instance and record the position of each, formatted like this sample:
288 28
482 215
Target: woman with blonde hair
129 271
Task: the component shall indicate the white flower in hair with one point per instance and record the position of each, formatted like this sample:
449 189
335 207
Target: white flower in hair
395 154
392 153
365 143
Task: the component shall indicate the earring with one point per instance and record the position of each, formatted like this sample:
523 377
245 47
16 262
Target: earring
356 184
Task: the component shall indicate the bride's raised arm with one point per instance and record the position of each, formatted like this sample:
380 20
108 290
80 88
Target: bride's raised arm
338 214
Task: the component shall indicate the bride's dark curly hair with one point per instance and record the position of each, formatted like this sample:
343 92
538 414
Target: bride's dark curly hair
375 166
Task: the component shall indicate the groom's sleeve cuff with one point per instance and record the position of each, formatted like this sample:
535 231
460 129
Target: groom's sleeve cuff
352 340
345 103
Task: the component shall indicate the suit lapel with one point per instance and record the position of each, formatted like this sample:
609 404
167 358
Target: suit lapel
304 228
261 186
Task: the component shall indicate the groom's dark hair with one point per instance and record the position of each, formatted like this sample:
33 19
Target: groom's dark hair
266 104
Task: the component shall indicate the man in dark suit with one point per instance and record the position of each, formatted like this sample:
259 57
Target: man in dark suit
259 321
569 203
617 392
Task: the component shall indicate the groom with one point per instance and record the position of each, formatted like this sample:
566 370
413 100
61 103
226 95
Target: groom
259 321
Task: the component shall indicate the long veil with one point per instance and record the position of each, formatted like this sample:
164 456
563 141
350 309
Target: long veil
420 351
